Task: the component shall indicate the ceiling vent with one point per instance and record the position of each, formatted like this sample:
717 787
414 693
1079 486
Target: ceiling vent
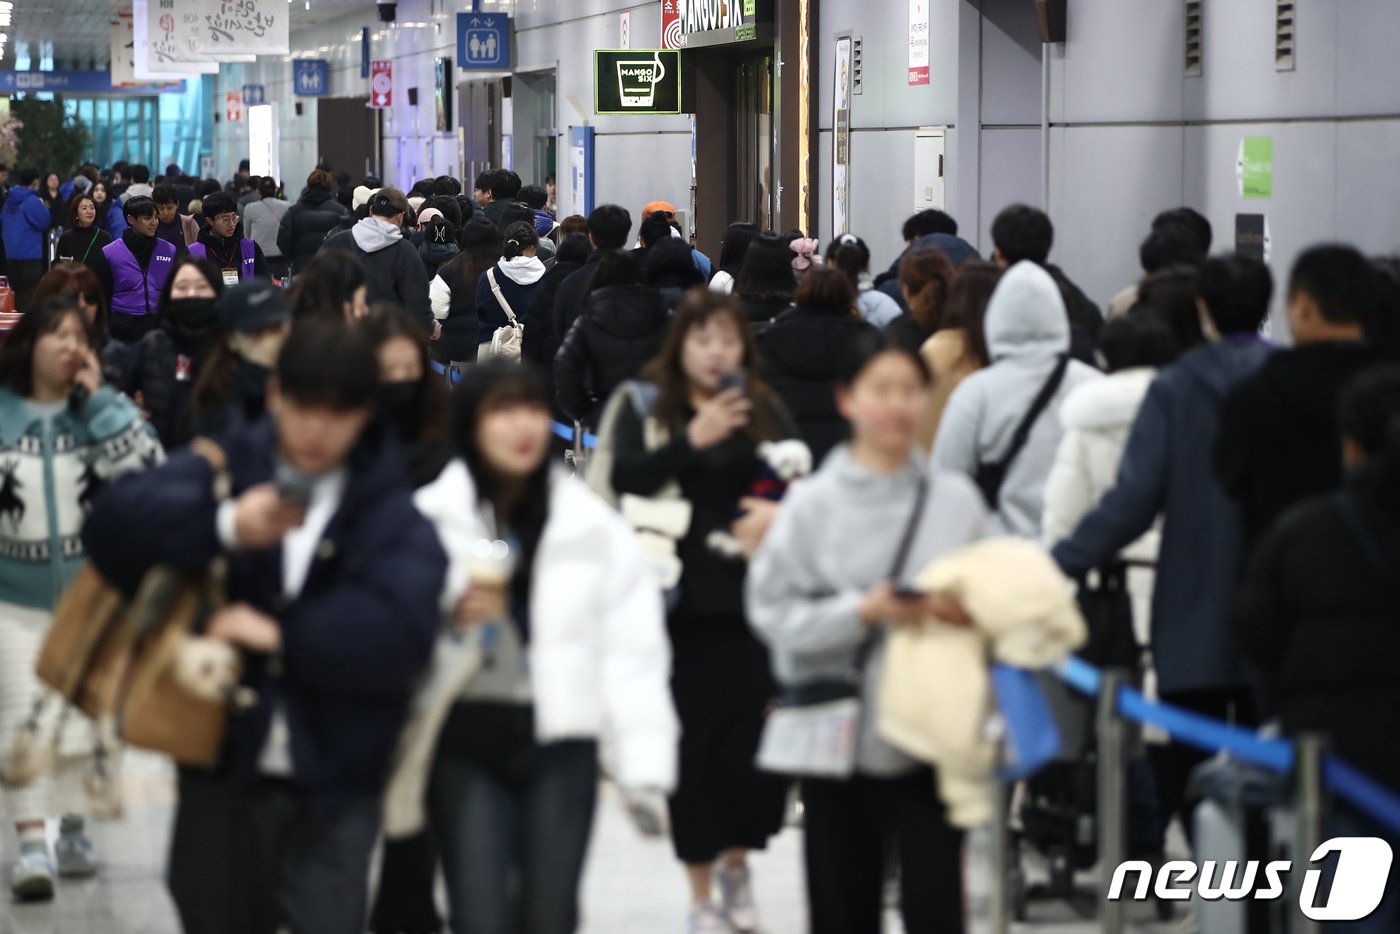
1285 35
1193 38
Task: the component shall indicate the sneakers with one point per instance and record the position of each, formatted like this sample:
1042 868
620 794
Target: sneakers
32 878
77 859
736 890
705 918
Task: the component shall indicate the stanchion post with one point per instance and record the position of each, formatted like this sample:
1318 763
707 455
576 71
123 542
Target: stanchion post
1112 797
1000 915
1310 804
580 455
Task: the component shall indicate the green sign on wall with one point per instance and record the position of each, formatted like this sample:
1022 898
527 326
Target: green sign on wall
1256 167
636 81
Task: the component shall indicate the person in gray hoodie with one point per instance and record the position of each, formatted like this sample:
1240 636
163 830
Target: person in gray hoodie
1167 469
822 592
393 271
1028 337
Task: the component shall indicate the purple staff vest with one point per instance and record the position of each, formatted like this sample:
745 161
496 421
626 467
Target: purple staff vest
133 292
245 246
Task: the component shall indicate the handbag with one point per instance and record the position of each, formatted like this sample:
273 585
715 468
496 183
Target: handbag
139 665
814 729
1107 606
990 476
507 341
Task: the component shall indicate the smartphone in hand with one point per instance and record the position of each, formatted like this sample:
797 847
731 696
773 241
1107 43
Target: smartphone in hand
735 379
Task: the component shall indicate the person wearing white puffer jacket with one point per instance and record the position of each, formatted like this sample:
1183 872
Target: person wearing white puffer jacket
1097 417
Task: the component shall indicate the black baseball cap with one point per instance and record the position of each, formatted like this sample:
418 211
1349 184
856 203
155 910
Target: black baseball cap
250 306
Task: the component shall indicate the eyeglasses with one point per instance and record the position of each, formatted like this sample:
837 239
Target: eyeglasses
87 298
227 218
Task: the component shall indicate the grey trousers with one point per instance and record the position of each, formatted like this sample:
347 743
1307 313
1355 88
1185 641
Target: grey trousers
244 860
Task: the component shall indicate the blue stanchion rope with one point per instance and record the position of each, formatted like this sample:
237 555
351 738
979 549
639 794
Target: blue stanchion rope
564 431
1364 793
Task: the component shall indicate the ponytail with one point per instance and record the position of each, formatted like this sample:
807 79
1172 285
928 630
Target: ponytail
519 237
849 254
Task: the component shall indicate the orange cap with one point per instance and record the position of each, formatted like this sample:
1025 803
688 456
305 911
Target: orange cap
655 206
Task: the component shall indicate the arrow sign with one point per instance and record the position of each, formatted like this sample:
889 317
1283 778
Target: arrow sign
381 83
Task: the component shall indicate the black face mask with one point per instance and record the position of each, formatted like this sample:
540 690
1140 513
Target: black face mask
402 404
194 314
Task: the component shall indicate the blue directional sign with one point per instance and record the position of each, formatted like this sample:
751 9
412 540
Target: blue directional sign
483 41
254 94
310 77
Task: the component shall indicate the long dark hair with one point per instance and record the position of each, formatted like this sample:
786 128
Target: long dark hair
386 323
17 353
735 246
767 269
494 385
325 284
671 263
481 249
1171 293
667 371
966 308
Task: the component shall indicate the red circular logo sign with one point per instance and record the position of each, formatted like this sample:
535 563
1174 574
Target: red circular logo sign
167 22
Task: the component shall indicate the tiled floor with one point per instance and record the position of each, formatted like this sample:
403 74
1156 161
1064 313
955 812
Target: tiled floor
632 884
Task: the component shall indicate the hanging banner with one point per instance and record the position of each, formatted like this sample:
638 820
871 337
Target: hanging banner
123 51
173 39
918 42
381 84
156 48
244 27
672 31
841 140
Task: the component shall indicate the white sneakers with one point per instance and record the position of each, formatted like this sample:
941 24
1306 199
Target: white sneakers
736 911
33 876
736 892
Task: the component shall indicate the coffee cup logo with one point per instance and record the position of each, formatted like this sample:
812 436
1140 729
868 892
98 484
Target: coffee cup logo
637 81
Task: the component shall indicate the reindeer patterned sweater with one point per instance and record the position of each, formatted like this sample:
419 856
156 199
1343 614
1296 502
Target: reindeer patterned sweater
52 466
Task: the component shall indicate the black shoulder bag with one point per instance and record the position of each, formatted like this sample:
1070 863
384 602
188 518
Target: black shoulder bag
991 476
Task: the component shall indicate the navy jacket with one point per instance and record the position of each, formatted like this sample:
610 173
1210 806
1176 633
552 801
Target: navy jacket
356 639
1167 469
24 220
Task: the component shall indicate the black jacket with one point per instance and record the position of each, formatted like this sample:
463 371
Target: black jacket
83 243
541 342
246 402
621 328
761 312
305 225
1318 612
393 274
220 249
164 368
458 342
436 255
801 352
907 333
1279 442
357 638
568 300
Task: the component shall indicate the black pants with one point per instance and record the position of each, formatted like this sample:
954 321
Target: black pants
404 902
849 828
246 859
1172 763
511 819
24 275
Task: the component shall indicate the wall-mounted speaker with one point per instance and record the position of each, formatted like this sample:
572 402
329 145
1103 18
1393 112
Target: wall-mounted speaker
300 108
388 12
505 87
413 97
1052 15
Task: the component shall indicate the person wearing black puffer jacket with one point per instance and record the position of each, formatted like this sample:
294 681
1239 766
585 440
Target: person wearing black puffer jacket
670 269
452 293
765 282
801 352
622 327
1316 610
305 225
541 342
168 360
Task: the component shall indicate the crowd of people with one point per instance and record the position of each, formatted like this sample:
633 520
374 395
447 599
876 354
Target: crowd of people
407 554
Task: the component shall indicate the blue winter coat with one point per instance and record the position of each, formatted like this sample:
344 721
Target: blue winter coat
356 639
50 478
116 220
24 218
1167 469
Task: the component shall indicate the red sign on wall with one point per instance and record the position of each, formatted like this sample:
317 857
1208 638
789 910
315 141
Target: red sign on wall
233 106
381 83
672 35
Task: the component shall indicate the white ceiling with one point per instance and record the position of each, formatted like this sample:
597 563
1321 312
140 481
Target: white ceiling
80 35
